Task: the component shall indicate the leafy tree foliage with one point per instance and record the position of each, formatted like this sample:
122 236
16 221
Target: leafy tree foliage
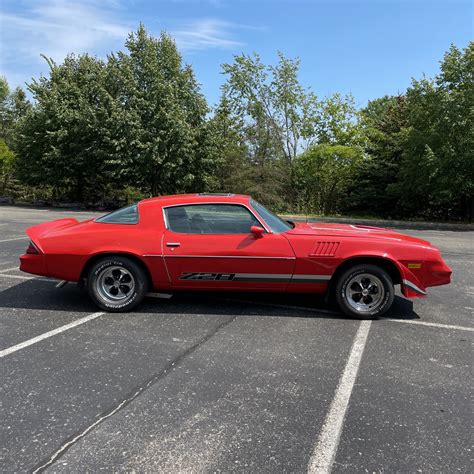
13 106
278 119
137 119
324 172
60 141
136 124
370 187
7 161
161 129
437 172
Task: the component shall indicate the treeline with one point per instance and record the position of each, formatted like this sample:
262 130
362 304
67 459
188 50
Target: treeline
106 132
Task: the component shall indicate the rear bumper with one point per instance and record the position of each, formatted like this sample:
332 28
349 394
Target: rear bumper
35 264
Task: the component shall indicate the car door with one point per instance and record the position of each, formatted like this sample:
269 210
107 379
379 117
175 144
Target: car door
210 246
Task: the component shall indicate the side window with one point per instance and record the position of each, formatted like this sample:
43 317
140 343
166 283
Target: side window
210 219
126 215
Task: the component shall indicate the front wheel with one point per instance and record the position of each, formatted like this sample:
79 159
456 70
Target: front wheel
365 291
116 284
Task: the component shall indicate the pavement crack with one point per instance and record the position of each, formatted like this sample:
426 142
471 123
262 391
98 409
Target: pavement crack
132 395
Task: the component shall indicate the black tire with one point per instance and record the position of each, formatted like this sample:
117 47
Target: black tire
119 275
375 302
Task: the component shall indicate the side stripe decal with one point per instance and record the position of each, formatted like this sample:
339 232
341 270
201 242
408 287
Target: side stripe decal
256 277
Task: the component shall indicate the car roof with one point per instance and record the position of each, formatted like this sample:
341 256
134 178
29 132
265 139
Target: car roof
176 199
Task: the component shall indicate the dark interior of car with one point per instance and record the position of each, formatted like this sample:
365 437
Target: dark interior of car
211 221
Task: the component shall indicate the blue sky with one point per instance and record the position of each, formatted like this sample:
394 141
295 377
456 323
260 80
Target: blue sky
366 47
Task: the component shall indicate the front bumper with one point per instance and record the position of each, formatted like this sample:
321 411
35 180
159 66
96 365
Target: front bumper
431 273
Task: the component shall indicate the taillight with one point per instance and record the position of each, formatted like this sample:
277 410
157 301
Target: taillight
32 249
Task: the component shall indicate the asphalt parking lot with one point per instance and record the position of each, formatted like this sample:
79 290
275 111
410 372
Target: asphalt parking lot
219 383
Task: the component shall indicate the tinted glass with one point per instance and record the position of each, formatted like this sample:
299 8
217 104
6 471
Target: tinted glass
210 219
274 222
126 215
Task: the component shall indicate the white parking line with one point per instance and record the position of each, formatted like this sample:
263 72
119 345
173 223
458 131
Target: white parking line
20 277
336 313
326 447
435 325
44 336
17 238
9 269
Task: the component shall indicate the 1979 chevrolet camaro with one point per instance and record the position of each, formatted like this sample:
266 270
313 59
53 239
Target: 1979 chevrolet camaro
227 242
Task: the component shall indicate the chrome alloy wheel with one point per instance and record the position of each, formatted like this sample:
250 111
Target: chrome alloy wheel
115 284
364 292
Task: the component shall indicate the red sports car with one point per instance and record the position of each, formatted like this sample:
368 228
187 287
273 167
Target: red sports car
231 243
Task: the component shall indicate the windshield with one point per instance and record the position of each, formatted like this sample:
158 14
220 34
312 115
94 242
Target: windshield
276 224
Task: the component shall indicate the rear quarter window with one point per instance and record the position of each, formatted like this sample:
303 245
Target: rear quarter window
126 215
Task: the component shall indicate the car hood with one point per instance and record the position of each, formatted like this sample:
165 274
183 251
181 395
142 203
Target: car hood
330 230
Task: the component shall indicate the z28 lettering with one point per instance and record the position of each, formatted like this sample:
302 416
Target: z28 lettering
207 276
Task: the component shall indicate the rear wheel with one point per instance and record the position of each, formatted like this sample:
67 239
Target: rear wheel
116 284
365 291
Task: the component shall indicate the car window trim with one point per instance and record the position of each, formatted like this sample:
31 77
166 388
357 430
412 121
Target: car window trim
257 217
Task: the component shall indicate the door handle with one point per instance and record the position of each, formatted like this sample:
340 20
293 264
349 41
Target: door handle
173 244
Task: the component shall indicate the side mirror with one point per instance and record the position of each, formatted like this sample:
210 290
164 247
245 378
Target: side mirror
257 231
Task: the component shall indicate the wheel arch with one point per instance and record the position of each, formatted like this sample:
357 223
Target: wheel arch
386 264
96 257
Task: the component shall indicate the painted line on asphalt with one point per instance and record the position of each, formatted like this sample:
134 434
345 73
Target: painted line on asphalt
20 277
336 313
326 447
434 325
8 269
48 334
136 392
17 238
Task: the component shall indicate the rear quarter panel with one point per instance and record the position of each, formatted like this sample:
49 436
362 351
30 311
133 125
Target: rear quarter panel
67 250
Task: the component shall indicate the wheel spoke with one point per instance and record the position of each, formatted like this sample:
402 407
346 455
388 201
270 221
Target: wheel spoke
373 289
125 278
356 287
357 297
124 289
116 274
114 290
368 299
109 280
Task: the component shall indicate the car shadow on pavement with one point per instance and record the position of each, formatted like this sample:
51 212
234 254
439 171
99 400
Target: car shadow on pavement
43 295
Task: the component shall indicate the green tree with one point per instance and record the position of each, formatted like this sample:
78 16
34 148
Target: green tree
13 106
275 115
159 136
61 140
278 119
324 171
437 174
372 186
7 162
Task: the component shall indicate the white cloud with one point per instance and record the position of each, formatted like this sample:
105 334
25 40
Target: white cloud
29 28
58 27
206 33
